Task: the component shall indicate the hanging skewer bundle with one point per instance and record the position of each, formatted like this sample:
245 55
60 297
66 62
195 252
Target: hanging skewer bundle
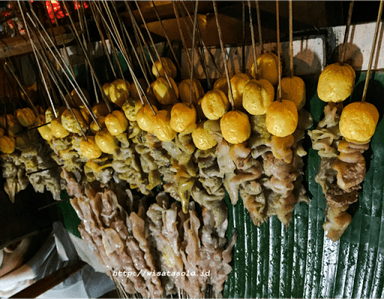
342 137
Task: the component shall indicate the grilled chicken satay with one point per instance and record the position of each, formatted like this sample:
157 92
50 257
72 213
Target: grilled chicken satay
341 138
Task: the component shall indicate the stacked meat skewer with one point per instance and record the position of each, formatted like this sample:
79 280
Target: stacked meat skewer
154 251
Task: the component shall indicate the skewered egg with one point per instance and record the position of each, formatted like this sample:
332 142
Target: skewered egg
165 66
336 82
281 118
215 104
257 96
267 68
118 92
238 82
162 128
293 89
163 93
184 90
106 142
25 116
89 148
183 117
145 118
202 137
358 122
7 144
116 122
235 127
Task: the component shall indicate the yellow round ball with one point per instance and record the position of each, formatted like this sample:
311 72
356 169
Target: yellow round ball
119 91
336 82
25 116
281 118
145 118
257 96
293 89
163 92
238 82
89 148
221 84
183 116
106 142
100 109
185 91
68 120
358 122
116 122
267 68
162 128
235 127
165 66
214 104
57 129
202 138
7 144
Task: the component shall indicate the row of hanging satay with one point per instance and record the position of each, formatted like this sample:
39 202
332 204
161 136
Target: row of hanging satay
255 149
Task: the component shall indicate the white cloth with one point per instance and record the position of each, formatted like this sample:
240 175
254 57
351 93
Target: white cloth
58 251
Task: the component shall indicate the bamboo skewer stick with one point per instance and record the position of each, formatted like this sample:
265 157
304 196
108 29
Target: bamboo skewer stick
125 56
114 49
136 25
11 71
369 70
259 26
253 40
62 38
64 67
290 38
103 41
154 47
88 60
189 61
166 36
192 93
346 35
278 50
243 44
231 100
199 49
132 46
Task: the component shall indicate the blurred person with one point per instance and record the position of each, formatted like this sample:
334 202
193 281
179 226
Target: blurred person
28 260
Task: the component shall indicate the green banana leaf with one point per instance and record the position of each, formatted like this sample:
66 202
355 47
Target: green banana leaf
300 262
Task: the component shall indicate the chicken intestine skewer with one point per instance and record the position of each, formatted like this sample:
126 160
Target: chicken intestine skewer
121 241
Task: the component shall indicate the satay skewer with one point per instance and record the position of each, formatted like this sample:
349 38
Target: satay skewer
259 26
231 99
153 46
88 60
192 93
253 39
63 65
189 61
278 50
116 37
373 49
202 42
9 68
166 35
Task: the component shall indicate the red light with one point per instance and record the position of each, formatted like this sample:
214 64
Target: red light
57 9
